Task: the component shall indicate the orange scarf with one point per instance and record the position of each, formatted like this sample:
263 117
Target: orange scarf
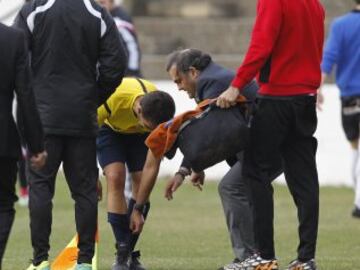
162 139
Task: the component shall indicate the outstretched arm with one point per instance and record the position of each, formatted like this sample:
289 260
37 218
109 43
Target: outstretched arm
148 179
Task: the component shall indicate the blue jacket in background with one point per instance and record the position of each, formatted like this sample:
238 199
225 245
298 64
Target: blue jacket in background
343 50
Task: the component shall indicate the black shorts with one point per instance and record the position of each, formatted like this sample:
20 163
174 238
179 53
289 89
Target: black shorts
350 117
129 149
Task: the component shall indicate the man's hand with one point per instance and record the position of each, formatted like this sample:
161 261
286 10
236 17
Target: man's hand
197 179
228 98
38 160
320 100
136 222
173 185
99 190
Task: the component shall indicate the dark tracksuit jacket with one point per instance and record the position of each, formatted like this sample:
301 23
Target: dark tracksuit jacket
76 59
128 35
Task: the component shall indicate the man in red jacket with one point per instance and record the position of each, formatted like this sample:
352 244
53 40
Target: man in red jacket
285 53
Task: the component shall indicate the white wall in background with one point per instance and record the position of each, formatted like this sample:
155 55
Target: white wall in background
8 10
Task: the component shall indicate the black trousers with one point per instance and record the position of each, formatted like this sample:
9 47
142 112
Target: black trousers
284 128
8 170
78 156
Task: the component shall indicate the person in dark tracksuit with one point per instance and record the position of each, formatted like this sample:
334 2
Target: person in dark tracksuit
77 62
127 35
285 52
194 72
15 75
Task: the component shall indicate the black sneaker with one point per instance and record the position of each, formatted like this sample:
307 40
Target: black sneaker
298 265
234 265
122 257
356 212
135 263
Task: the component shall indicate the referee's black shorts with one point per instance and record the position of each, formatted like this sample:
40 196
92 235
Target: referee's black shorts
129 149
350 117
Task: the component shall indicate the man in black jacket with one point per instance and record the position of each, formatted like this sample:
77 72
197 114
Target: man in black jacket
77 62
195 73
14 74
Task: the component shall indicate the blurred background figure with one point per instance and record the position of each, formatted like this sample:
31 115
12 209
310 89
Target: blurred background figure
127 35
23 185
343 51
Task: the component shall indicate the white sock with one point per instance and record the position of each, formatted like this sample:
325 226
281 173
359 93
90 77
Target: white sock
356 177
354 165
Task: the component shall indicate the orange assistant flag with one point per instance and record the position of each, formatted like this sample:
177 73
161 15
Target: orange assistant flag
67 259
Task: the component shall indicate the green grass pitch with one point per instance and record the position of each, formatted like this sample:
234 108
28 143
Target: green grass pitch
189 233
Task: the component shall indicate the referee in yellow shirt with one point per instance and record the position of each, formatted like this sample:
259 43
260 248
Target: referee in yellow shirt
126 119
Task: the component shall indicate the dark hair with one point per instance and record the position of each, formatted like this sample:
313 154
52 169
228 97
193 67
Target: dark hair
357 1
157 107
192 58
172 59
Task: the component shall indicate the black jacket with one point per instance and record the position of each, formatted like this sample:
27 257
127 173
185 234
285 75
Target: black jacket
15 75
212 82
215 79
76 59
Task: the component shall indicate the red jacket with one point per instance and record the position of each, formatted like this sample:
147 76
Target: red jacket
286 48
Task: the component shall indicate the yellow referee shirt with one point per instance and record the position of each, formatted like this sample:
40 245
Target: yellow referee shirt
118 111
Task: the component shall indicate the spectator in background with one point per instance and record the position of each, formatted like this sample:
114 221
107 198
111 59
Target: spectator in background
15 75
77 63
127 34
285 52
23 185
343 51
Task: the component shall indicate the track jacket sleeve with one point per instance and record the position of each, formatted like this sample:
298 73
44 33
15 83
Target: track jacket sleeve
265 33
30 124
112 60
332 49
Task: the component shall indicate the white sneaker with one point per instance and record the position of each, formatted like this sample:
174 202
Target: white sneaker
44 265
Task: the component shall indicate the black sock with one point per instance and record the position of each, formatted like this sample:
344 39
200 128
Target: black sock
135 237
120 226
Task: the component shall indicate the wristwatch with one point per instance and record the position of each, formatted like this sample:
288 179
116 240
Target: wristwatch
139 207
183 172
